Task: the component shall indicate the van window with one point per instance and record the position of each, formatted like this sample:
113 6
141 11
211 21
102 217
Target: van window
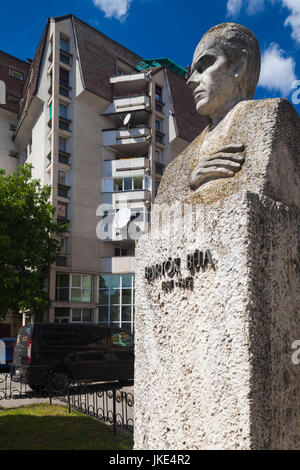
24 334
55 337
122 339
86 337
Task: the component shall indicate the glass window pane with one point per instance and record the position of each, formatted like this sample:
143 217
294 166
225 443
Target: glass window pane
103 297
64 44
86 295
118 184
87 281
115 296
138 182
127 184
63 280
76 280
126 296
103 281
87 315
76 295
62 144
126 313
103 314
63 294
127 326
115 314
63 111
61 312
76 314
115 280
126 280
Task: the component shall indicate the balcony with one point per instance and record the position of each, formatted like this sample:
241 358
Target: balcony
118 265
135 166
128 84
135 140
128 104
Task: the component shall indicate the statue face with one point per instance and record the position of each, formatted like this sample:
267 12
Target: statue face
212 79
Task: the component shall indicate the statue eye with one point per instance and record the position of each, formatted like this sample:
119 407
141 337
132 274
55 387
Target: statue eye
205 62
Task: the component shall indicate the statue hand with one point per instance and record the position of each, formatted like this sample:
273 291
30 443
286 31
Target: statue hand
222 164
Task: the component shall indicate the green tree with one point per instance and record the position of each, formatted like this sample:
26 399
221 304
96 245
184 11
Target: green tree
27 245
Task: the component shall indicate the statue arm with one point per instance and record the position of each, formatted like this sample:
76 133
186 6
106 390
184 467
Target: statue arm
222 164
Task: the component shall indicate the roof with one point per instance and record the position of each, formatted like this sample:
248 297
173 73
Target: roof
168 63
98 55
14 86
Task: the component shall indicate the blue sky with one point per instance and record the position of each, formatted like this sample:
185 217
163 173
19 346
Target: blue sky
178 24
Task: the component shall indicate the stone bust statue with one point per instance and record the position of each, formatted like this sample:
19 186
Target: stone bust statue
225 71
249 144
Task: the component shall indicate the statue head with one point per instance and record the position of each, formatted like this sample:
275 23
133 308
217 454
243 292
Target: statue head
225 69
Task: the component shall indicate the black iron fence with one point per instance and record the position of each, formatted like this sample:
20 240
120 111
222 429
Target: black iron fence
108 402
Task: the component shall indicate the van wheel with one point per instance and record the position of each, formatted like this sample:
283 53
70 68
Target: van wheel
59 382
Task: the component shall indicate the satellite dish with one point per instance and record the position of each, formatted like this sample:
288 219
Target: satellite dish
121 218
127 119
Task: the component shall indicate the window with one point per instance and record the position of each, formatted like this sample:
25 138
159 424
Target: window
81 288
159 107
116 300
158 156
74 287
62 144
63 243
50 111
63 111
133 183
62 287
62 211
158 93
61 315
14 73
64 44
64 82
13 154
158 138
62 177
63 117
121 251
75 315
158 125
81 315
12 98
65 58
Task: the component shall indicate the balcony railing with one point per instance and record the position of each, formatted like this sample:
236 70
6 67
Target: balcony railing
129 104
118 264
119 137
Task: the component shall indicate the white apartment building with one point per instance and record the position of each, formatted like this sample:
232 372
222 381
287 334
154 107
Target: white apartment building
99 124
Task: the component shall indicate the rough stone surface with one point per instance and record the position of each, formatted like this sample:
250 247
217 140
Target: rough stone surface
214 364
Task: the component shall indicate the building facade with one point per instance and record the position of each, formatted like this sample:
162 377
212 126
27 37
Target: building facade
99 124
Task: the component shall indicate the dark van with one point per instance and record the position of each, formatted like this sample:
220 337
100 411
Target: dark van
84 352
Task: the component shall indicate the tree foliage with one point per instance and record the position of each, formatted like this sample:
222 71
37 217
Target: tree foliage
27 246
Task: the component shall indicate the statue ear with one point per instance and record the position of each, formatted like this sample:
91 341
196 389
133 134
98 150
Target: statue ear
241 67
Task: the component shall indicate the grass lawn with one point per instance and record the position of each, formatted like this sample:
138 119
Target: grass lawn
51 427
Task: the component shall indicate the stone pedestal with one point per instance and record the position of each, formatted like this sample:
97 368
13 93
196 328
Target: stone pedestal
214 337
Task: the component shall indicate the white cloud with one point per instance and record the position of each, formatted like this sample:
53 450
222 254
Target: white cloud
234 7
277 71
254 6
293 19
113 8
